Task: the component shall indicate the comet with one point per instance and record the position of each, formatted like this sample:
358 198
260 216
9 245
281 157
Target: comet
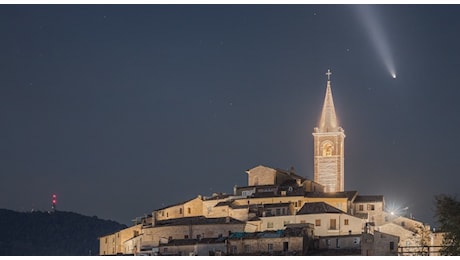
376 33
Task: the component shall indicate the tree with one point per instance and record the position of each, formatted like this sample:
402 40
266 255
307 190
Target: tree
448 215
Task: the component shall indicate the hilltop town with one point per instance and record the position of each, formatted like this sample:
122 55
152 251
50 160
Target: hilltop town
281 213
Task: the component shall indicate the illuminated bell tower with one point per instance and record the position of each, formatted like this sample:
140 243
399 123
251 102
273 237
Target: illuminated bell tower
329 146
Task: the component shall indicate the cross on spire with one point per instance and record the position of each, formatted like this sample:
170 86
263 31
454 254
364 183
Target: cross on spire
328 73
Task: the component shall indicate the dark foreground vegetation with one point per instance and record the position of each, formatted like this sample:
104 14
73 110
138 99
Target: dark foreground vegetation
52 233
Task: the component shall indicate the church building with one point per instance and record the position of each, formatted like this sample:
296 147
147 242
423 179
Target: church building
329 146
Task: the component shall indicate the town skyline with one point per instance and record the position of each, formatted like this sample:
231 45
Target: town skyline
120 110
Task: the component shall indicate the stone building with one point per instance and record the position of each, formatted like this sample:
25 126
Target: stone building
414 236
338 245
112 244
329 146
189 228
326 219
293 240
194 247
370 207
379 244
272 200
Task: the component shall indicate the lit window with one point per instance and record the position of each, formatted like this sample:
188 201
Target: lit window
361 207
345 222
370 207
318 222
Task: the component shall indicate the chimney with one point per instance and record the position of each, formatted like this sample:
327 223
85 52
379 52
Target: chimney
154 218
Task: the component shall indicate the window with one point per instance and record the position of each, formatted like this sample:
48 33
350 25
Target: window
318 222
333 223
269 224
370 207
233 250
278 212
180 211
345 222
189 210
285 246
270 248
247 249
165 249
303 221
403 224
392 245
185 236
361 207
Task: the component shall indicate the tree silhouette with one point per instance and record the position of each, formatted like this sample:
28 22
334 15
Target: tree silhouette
448 215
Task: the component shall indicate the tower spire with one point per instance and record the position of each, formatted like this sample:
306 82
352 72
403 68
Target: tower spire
328 121
329 146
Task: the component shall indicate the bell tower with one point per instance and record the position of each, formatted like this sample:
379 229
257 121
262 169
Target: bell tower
329 146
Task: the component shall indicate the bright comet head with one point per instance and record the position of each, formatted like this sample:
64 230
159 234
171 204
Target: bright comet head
393 75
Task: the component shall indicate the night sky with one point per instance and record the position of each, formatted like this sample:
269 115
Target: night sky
123 109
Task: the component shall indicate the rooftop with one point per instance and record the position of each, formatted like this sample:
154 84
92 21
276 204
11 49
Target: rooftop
317 208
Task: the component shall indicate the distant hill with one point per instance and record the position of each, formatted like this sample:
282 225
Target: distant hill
52 233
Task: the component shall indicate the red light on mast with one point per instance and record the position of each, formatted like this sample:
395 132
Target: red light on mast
54 201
